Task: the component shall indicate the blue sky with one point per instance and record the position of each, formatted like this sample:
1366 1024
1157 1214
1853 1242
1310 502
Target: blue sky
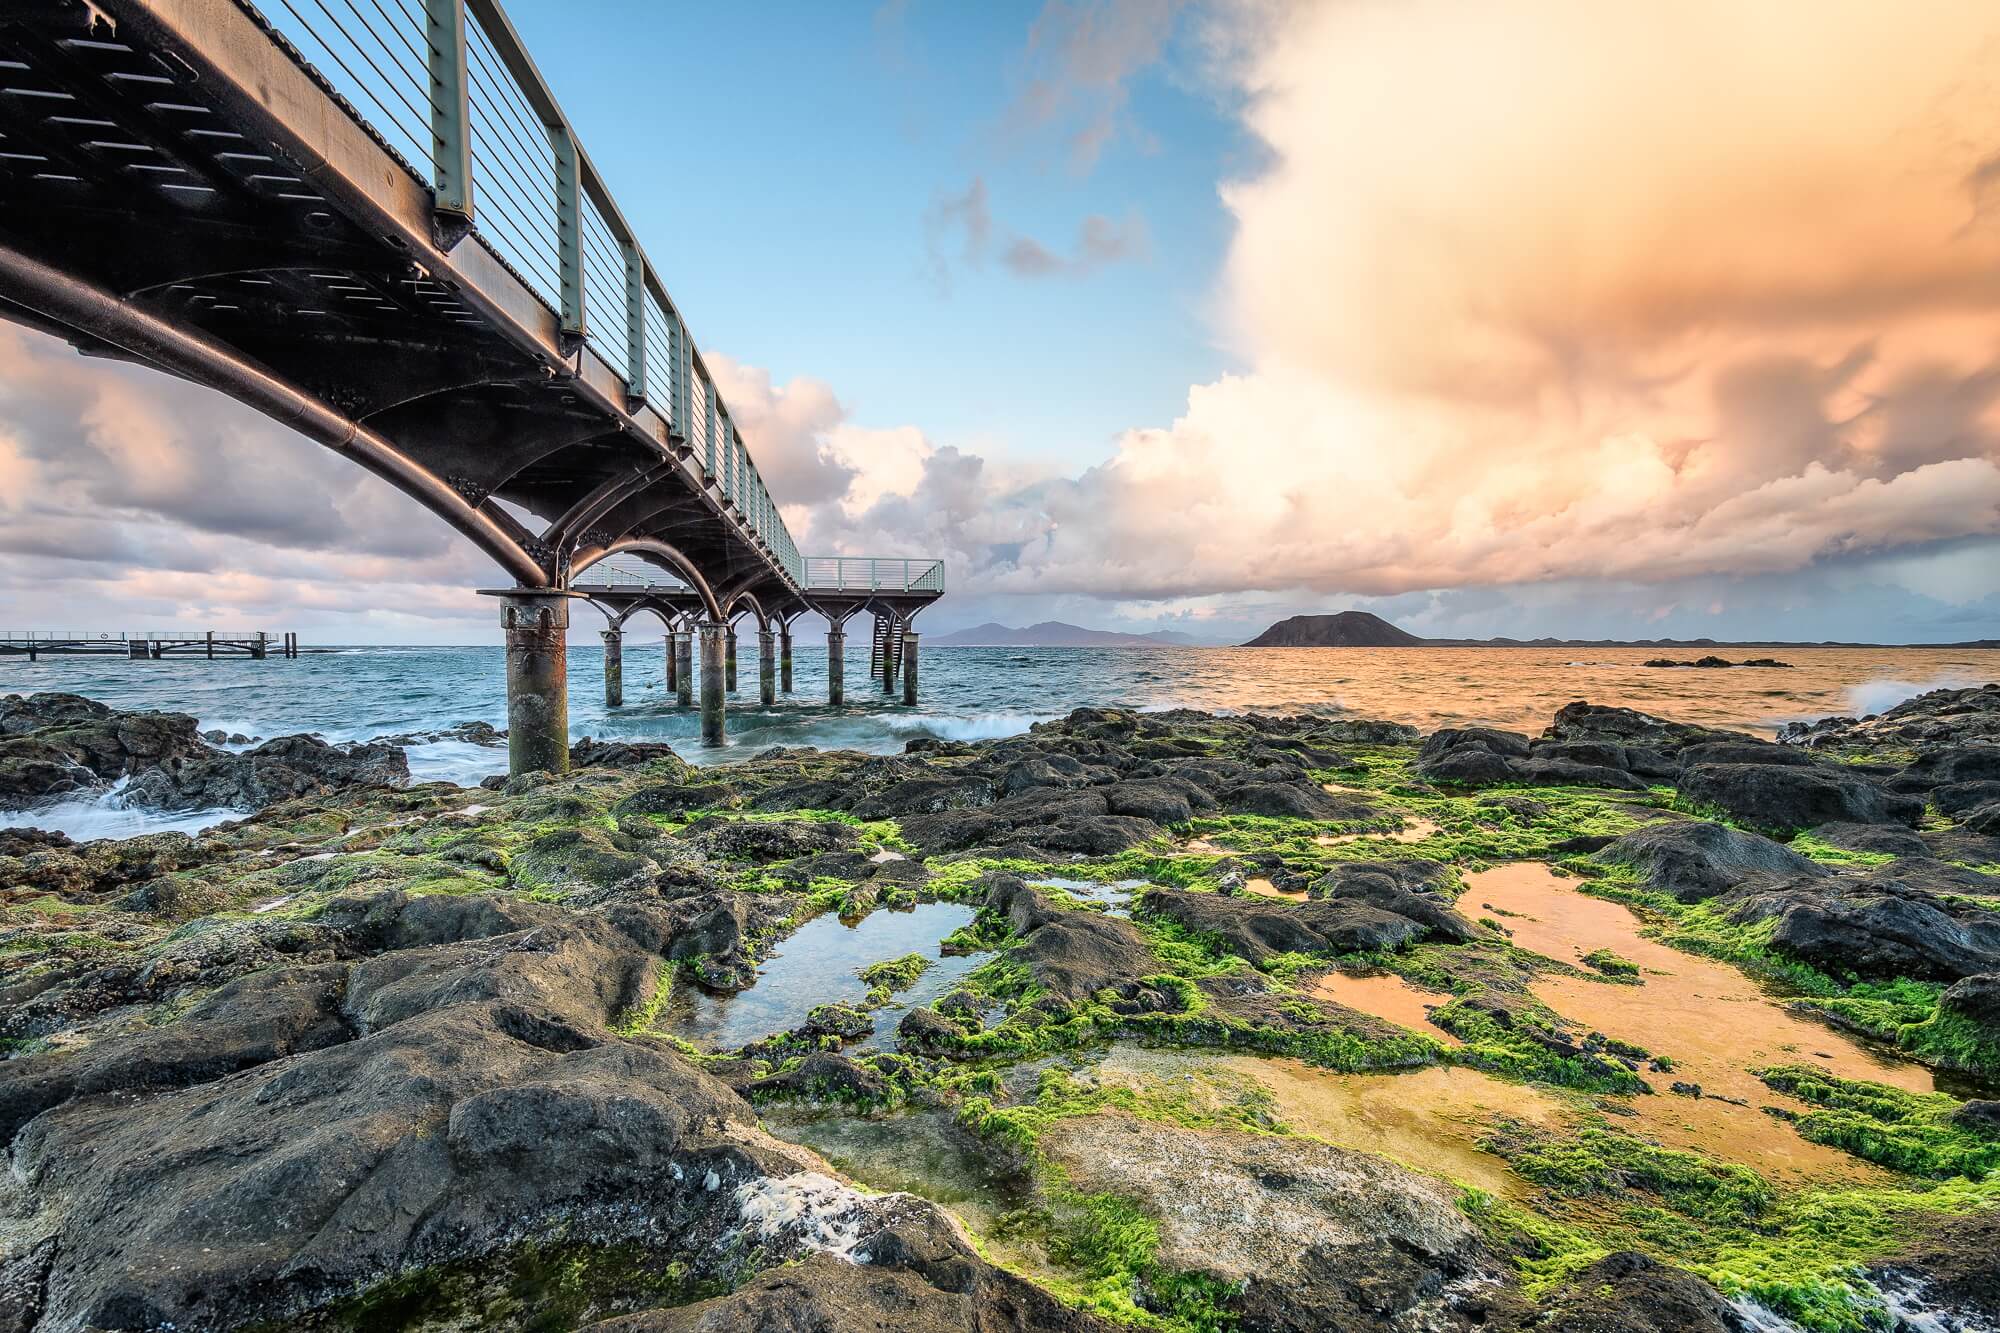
823 137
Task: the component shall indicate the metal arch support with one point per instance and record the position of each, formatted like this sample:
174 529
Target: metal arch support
599 502
686 568
98 313
756 608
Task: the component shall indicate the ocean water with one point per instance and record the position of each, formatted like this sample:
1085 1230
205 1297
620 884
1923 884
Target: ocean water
348 694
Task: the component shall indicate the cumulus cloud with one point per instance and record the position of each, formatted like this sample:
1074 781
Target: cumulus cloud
1569 290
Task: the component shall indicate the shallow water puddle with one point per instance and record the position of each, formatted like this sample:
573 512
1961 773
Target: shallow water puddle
1386 995
1264 888
1415 829
1715 1022
817 965
1428 1119
1115 895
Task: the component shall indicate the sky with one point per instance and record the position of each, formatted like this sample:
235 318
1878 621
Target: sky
1514 318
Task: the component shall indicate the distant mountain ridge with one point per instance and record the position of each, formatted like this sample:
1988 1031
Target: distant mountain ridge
1056 634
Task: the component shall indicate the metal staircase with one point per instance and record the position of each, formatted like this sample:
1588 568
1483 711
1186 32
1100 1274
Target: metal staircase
885 656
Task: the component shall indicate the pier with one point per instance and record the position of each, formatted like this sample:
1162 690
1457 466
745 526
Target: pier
436 284
148 645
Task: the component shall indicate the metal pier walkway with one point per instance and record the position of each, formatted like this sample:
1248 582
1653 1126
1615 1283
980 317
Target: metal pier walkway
371 220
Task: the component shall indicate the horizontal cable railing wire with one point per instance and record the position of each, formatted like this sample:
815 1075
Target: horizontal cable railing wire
861 573
659 361
373 60
377 56
604 289
514 167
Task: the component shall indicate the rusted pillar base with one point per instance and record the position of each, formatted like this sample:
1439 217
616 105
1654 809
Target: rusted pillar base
712 633
673 663
785 659
836 666
537 681
909 667
614 668
767 668
729 652
684 668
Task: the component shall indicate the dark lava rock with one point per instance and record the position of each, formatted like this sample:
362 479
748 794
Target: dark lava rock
251 1021
1881 839
497 1134
1953 1272
773 840
1419 890
1950 766
1985 821
1785 799
1369 914
1582 721
1482 756
1629 1292
1744 751
1293 800
1940 717
935 1286
1959 798
1694 859
1304 1237
54 745
1072 954
1902 919
588 753
674 798
278 770
824 1076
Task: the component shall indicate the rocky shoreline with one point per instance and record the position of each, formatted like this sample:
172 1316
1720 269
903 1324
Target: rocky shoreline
397 1056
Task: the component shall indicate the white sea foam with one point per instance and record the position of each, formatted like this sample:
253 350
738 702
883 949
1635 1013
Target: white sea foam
812 1210
105 815
1883 693
461 762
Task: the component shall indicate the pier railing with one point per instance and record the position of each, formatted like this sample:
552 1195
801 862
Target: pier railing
823 573
860 573
449 89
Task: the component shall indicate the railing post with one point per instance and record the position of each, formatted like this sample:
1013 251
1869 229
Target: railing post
569 229
683 374
708 409
635 325
451 143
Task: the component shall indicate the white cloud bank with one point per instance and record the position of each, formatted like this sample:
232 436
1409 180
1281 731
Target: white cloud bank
1526 292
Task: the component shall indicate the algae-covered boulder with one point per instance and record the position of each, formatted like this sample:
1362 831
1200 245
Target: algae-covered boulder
1904 919
1301 1235
582 857
1694 859
1784 798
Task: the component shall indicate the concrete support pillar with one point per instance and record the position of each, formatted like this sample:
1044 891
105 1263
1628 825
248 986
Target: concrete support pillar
836 665
910 667
711 681
673 662
729 651
684 667
888 679
614 667
536 624
785 658
767 668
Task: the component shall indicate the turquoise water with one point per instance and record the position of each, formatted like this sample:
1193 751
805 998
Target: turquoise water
348 694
